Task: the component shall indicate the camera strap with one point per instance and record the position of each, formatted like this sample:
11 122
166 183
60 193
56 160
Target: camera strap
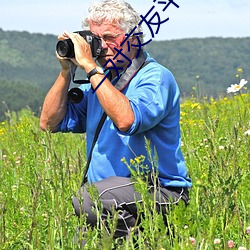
137 64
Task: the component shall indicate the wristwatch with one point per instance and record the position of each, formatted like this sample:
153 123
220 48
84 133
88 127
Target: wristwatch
96 70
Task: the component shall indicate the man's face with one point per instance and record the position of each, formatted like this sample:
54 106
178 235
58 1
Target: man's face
112 37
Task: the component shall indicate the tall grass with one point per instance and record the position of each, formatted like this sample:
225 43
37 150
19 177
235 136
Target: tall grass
40 172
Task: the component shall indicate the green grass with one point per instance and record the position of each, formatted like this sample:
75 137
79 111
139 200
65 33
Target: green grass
40 172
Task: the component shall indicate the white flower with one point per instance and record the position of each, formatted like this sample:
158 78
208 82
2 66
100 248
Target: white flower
247 133
242 248
22 210
217 241
237 87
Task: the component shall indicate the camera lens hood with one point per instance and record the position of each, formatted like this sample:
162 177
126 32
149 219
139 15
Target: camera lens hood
65 48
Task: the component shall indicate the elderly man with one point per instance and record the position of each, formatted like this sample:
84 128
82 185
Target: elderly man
140 98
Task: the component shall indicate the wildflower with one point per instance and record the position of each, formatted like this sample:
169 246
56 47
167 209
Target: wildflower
45 216
242 248
247 133
221 147
230 244
237 87
22 210
192 240
240 70
216 241
198 182
132 162
248 230
137 159
123 159
195 106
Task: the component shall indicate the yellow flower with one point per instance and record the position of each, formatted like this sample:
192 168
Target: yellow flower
138 160
132 162
195 105
240 70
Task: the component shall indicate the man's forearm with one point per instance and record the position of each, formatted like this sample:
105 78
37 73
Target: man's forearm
115 104
55 103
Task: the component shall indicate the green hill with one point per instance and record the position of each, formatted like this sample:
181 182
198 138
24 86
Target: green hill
211 63
28 66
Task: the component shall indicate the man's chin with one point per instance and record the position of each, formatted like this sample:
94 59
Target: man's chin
104 59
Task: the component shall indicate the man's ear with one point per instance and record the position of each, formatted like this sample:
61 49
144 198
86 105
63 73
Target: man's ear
134 40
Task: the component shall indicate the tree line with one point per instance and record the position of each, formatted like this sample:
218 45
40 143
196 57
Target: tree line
202 67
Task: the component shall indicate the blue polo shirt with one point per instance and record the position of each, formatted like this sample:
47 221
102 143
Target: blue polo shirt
154 97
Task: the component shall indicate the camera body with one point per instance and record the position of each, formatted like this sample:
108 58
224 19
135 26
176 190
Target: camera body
65 48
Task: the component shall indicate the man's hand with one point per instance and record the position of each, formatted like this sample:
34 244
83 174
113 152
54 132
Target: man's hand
83 54
66 63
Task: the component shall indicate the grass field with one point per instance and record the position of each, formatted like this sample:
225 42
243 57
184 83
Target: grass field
40 172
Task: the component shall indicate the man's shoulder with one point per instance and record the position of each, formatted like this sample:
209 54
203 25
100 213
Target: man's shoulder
155 69
154 64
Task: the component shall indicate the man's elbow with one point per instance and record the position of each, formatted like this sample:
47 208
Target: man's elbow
45 126
125 125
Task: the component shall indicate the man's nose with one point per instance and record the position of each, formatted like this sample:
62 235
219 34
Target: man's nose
104 44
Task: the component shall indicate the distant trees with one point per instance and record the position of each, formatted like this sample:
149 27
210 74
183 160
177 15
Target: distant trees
211 63
203 67
17 95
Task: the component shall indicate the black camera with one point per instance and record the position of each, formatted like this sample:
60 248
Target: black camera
65 48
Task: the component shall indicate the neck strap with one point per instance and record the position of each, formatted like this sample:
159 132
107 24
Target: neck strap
124 80
126 77
130 72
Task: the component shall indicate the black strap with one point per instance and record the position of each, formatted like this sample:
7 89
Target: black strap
97 132
124 80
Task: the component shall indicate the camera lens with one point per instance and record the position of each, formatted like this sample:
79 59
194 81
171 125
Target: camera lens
65 48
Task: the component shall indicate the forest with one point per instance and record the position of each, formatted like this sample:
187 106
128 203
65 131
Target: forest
201 66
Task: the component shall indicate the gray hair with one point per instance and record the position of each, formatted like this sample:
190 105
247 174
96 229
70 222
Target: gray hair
116 12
